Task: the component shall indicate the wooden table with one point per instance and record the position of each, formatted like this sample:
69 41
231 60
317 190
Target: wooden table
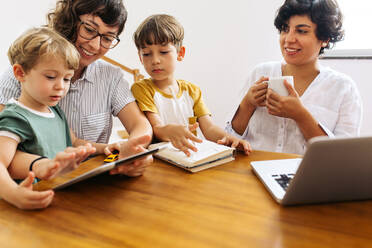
226 206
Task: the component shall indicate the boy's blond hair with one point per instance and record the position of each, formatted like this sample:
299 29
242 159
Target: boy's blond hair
159 29
36 43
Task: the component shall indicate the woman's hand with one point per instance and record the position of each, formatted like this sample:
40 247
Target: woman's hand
285 106
128 148
256 95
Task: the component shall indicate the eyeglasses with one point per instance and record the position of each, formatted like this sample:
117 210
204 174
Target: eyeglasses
88 32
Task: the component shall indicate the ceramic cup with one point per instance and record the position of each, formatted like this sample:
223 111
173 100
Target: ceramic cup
277 84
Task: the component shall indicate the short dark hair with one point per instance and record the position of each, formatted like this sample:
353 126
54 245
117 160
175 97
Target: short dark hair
65 17
326 14
159 29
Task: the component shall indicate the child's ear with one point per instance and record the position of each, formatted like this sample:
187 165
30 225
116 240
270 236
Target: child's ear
181 53
19 73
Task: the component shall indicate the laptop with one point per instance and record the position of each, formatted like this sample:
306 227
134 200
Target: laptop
332 170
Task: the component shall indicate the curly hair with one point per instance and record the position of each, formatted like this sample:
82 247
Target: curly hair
65 17
326 14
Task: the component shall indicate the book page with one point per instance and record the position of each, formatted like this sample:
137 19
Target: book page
206 150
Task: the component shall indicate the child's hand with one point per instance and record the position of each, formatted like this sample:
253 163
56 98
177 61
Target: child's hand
180 137
81 153
128 148
193 128
24 197
237 143
64 162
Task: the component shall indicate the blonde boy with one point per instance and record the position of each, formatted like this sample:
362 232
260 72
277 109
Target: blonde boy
169 102
44 63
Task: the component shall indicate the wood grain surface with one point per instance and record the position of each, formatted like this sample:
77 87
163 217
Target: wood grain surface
226 206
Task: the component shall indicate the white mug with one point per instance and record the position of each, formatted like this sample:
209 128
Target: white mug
277 84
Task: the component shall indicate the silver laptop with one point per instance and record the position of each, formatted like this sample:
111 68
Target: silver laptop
332 170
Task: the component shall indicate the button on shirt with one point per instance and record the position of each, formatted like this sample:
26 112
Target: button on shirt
91 101
332 99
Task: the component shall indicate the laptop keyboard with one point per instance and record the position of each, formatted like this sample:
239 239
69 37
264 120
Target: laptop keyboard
283 180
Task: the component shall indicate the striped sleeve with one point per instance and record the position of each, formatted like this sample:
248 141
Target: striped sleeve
121 95
9 86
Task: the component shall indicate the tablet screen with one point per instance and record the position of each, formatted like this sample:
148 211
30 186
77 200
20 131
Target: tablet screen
74 176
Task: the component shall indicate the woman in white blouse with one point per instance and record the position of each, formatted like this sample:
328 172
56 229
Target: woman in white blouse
321 102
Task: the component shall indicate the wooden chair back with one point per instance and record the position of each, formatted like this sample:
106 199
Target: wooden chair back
135 72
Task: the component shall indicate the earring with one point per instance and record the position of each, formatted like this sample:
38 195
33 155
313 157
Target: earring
324 44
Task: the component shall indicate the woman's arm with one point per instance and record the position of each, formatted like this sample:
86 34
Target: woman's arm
256 96
292 107
76 142
308 125
140 135
134 121
130 147
242 116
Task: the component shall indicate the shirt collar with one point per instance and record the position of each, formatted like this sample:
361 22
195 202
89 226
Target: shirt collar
47 115
89 74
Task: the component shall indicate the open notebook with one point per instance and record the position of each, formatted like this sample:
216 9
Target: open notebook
209 155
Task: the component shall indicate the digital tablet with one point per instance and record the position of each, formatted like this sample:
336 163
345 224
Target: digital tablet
105 167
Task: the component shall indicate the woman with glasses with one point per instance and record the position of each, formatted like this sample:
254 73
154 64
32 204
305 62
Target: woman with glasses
98 90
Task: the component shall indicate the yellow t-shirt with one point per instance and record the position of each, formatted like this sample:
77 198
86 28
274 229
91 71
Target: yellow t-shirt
188 102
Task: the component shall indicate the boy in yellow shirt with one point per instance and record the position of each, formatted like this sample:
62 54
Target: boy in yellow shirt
168 102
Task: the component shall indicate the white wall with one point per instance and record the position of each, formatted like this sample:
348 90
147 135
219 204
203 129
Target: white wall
223 40
15 17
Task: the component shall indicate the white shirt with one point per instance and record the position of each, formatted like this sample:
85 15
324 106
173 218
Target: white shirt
172 109
332 99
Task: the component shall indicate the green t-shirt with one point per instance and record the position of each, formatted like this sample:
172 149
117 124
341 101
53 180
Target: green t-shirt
41 135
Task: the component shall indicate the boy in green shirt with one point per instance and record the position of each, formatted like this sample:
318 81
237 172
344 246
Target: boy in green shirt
44 63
